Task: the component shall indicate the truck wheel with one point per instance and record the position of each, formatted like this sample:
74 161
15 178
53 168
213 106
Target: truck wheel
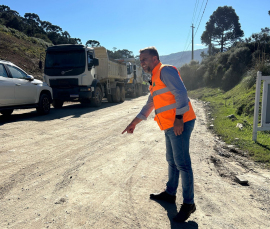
57 103
116 95
85 102
44 105
109 98
7 112
97 99
145 89
137 90
122 94
133 93
140 90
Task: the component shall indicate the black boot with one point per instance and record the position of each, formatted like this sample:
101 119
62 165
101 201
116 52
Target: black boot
184 213
163 196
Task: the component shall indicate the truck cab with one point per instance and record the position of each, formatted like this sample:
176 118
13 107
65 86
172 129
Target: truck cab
70 71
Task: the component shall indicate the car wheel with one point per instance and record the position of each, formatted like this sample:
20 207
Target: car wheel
44 104
97 99
57 103
7 112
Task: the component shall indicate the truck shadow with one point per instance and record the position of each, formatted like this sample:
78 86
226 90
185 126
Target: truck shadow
75 110
171 213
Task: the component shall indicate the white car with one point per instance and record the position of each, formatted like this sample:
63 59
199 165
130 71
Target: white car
18 90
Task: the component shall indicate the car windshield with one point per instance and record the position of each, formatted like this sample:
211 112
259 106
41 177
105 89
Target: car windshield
65 59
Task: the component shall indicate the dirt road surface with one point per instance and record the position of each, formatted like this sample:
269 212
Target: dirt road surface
74 169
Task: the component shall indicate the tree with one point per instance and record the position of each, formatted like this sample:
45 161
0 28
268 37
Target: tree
75 41
203 55
207 36
54 33
14 13
126 53
34 21
54 28
15 23
222 29
120 54
7 13
45 25
92 43
4 8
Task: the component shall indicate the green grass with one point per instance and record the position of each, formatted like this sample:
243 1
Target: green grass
240 102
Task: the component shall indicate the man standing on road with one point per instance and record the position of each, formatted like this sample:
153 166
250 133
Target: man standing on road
174 115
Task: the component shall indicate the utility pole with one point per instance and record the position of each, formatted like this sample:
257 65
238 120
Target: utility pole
192 43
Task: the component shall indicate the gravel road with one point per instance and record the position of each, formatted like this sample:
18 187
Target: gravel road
74 169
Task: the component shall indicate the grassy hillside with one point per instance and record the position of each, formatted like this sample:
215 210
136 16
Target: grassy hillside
238 101
22 50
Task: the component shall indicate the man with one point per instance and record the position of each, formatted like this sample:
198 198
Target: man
174 115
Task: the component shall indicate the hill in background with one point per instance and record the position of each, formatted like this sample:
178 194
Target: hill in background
180 58
22 50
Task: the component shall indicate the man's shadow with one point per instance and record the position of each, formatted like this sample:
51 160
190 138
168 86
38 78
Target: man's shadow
172 212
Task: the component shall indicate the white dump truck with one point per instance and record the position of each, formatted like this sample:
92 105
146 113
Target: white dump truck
86 74
137 81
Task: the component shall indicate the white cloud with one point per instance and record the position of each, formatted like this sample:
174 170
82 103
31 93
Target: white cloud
199 45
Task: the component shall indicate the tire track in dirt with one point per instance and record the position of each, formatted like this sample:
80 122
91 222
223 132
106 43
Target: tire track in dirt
113 174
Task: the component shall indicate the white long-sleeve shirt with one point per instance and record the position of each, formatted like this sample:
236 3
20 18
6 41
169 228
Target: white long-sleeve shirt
169 76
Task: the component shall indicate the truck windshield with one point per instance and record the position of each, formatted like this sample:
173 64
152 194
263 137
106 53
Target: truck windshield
65 59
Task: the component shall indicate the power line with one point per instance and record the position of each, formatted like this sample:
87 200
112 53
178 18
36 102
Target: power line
194 13
186 45
199 13
201 17
188 37
195 10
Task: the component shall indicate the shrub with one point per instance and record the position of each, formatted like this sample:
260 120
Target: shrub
192 78
249 79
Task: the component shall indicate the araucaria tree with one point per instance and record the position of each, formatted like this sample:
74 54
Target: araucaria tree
93 43
222 29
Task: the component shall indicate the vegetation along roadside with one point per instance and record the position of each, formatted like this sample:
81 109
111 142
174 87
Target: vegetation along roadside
226 81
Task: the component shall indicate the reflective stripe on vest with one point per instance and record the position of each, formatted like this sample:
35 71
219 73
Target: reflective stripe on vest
165 108
160 91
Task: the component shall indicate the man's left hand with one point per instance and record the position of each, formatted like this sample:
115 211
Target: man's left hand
178 127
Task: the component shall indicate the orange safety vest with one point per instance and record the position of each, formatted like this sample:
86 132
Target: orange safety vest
164 101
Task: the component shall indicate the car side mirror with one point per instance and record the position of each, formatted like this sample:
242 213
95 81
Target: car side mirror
30 78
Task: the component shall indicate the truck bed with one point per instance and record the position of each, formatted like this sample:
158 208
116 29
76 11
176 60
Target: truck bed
107 68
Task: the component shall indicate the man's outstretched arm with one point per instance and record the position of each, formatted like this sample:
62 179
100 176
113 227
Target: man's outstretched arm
146 110
130 128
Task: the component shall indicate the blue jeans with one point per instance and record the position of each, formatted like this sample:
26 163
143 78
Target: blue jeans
177 155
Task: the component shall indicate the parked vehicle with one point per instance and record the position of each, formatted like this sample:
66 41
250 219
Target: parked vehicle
70 71
84 74
137 80
18 90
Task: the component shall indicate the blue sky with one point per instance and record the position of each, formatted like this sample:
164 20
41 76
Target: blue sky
132 25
